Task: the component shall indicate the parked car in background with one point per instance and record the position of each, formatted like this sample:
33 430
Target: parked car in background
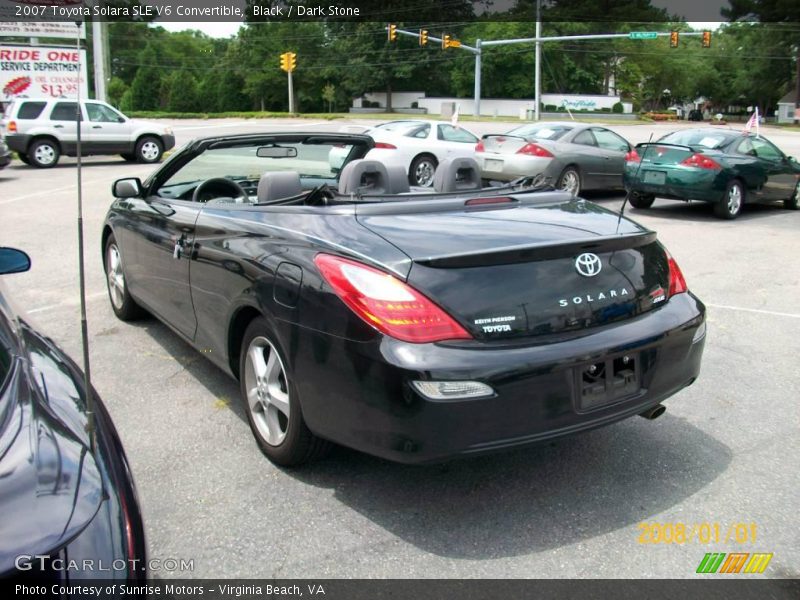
695 115
572 155
5 154
723 167
415 326
66 497
40 131
418 146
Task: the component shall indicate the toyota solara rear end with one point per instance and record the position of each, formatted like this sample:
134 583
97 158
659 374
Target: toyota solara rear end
513 321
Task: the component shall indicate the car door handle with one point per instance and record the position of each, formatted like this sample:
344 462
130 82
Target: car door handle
97 127
58 127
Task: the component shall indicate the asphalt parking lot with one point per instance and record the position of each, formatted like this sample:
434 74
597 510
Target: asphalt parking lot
725 453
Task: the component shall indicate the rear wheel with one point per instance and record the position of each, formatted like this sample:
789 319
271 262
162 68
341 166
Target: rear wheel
570 181
422 171
44 154
731 204
640 200
271 401
149 149
122 303
793 203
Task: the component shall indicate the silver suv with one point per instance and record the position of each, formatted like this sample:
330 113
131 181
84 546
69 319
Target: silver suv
41 130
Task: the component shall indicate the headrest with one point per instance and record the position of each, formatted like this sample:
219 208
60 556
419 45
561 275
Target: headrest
275 185
363 176
456 174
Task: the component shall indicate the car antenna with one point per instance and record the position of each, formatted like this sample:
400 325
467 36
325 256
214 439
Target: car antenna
635 176
87 377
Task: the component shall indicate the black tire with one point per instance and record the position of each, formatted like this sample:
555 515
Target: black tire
149 149
639 200
422 170
570 181
730 206
793 203
44 153
283 438
129 157
122 303
24 158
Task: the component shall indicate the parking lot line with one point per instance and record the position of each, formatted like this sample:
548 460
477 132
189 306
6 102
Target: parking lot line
46 192
756 310
70 302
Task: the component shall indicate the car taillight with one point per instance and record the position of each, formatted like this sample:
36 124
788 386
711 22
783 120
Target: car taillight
633 156
385 146
386 303
535 150
479 147
701 161
677 283
12 126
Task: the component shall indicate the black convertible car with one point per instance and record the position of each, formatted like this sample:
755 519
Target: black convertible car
411 326
68 504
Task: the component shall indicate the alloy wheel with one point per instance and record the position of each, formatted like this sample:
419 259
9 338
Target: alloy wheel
734 199
570 182
267 391
424 173
116 279
44 154
149 151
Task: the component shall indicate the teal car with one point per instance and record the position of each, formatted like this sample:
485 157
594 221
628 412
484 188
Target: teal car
724 167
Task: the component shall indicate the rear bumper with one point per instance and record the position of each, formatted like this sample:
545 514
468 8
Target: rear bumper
680 183
358 394
507 167
18 142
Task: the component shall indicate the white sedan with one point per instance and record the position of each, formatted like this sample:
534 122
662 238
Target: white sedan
418 146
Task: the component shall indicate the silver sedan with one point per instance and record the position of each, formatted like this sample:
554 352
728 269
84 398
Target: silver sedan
574 156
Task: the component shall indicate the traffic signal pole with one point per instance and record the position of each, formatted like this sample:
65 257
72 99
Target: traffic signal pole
477 50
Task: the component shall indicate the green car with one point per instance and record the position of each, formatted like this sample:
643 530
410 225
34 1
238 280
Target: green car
724 167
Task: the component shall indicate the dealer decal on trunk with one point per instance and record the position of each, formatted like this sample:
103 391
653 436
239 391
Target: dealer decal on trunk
496 324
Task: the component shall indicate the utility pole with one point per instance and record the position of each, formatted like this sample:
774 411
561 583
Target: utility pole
478 78
99 45
797 89
537 84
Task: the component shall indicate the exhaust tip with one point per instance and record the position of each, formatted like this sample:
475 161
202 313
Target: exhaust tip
654 412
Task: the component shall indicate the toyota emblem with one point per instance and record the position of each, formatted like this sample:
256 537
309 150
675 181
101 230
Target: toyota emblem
588 264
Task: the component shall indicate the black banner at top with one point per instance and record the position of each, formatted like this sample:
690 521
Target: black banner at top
418 12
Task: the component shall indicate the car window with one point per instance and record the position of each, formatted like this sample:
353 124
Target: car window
764 149
608 140
101 113
64 111
448 133
746 147
697 137
541 132
30 110
419 132
394 125
585 138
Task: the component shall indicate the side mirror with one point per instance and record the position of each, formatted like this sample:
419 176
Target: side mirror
121 119
13 261
127 188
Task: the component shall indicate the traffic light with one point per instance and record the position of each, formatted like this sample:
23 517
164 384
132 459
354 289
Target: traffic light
423 37
392 29
706 39
445 41
673 39
288 61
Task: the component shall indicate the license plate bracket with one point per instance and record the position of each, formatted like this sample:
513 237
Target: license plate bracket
492 164
607 381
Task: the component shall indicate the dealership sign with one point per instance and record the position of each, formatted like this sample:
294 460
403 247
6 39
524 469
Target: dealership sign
41 72
41 29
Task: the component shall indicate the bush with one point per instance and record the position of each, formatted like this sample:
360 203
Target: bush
415 104
605 109
618 108
550 107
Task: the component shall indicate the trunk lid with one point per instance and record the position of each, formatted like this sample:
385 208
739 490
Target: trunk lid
530 269
503 144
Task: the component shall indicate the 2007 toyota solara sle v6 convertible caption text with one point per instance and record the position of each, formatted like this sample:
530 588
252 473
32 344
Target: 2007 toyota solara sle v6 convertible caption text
412 326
